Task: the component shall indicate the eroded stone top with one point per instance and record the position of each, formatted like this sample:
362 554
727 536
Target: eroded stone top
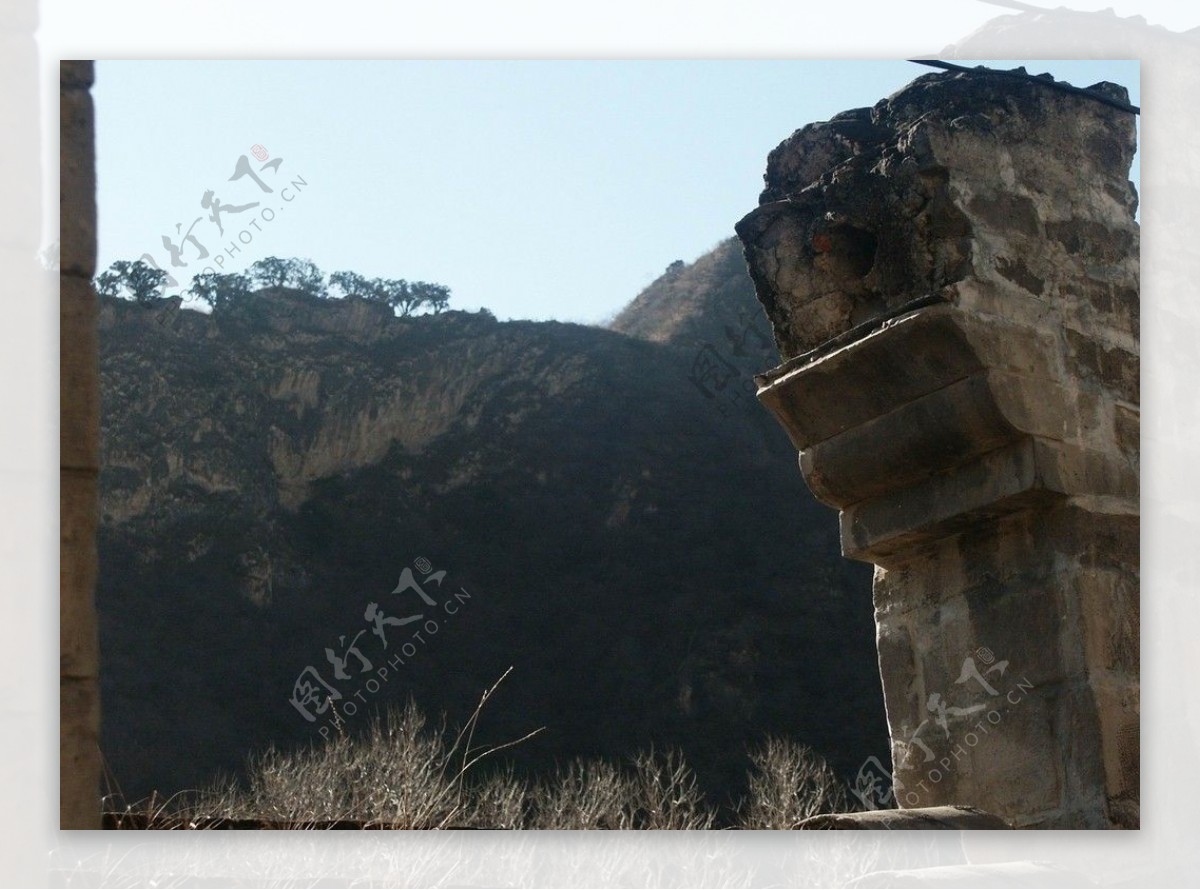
958 176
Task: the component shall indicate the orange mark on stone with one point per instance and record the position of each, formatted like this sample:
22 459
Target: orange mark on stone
822 243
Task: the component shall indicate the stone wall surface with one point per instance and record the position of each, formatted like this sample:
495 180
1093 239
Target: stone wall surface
952 280
79 432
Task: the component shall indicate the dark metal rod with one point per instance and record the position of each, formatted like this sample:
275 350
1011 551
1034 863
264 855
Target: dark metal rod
1053 84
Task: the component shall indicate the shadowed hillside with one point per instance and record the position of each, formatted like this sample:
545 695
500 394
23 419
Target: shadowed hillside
634 541
711 300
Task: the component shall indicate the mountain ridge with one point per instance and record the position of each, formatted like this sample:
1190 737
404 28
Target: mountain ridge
636 544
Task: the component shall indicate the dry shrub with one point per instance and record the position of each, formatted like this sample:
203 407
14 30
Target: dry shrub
587 794
657 793
404 773
667 796
500 801
789 783
398 772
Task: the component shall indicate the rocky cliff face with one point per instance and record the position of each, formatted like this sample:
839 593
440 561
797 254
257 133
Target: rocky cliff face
633 543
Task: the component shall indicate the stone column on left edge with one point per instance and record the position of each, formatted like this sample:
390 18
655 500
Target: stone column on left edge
79 440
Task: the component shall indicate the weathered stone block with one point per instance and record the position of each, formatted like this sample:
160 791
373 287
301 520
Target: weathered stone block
1118 708
76 73
889 370
947 428
1028 474
1015 760
1109 540
907 357
79 375
904 692
883 530
1113 368
1086 472
79 753
77 184
1127 428
1109 606
1000 753
934 432
78 514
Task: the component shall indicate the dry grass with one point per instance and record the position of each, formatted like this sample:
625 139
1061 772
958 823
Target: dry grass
402 772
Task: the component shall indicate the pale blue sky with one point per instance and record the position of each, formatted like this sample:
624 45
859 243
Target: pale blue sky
536 189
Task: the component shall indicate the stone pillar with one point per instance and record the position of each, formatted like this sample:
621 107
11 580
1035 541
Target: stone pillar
952 278
79 392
